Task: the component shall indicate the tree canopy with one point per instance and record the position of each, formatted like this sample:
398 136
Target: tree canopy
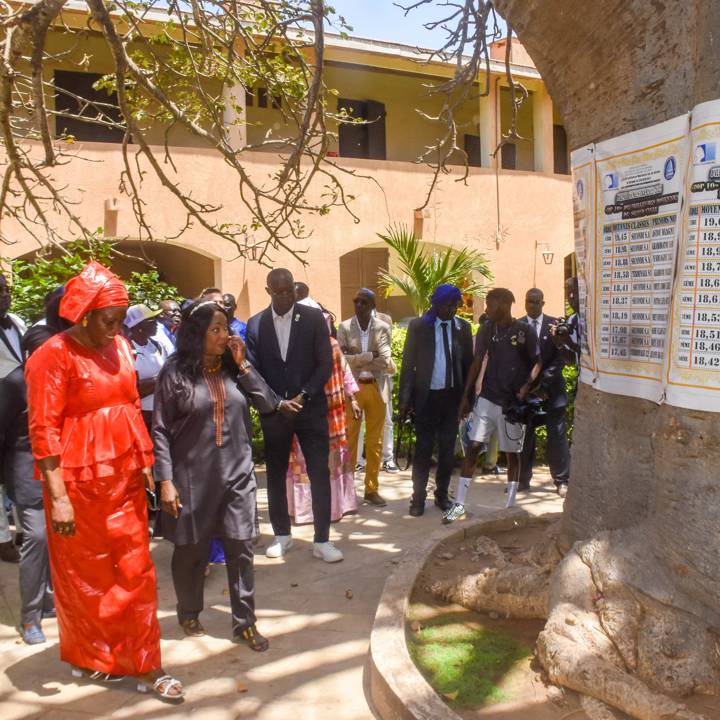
187 65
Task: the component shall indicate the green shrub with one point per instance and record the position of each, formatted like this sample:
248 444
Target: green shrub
32 280
258 439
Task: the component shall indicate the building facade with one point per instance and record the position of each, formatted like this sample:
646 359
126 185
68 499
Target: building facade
515 207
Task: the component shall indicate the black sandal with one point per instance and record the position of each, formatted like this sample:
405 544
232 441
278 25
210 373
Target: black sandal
252 638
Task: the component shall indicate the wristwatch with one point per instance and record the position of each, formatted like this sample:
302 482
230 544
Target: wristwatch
245 367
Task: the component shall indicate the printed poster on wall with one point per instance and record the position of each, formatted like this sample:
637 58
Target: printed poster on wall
693 371
583 176
639 180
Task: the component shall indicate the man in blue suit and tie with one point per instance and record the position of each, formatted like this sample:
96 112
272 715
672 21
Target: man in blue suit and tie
289 345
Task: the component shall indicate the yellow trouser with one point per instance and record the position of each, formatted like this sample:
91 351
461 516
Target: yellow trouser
373 406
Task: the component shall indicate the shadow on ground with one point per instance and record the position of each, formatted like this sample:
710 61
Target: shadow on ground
318 618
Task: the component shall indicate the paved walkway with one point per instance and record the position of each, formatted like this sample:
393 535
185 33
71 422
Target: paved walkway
318 618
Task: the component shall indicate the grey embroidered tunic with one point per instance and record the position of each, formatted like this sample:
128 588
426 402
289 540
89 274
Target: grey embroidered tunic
206 451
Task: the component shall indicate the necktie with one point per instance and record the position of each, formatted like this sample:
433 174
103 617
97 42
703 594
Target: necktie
536 325
448 358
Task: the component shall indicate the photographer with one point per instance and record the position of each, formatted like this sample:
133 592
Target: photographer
513 365
565 335
552 391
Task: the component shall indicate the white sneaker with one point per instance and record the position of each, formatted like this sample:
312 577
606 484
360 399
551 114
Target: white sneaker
279 546
327 551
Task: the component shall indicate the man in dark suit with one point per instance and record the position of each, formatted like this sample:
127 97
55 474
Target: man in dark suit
12 329
437 355
289 345
552 388
17 468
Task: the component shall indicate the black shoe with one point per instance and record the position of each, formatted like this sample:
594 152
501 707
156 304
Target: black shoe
192 627
490 471
416 510
444 503
523 486
9 553
252 638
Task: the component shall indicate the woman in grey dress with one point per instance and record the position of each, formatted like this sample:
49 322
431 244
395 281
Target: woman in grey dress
203 462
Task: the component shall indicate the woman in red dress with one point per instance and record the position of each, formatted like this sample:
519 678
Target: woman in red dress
94 454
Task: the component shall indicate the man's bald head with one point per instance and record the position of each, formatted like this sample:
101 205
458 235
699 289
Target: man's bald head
534 302
281 288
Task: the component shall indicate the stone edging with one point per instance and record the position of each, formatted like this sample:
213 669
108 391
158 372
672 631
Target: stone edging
397 689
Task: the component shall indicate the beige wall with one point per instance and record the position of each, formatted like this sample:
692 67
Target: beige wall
534 207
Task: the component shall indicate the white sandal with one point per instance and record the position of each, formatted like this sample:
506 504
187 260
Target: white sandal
95 676
169 682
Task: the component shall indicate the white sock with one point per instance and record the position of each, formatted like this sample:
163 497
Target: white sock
511 494
462 488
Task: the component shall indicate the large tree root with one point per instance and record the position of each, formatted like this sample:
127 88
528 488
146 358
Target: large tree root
603 638
515 587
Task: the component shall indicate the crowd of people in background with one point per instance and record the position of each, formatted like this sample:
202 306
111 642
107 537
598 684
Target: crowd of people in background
124 410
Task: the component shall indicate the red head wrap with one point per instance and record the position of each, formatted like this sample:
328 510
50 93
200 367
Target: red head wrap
94 288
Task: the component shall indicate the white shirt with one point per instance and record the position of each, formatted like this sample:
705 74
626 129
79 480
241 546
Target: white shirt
163 340
364 344
282 324
437 382
148 362
532 323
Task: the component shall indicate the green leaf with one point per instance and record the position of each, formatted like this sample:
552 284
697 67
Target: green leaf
421 269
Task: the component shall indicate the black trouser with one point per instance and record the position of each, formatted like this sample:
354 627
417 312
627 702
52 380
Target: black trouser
437 420
558 450
188 573
312 433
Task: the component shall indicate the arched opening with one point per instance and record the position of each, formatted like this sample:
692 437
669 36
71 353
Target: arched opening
361 267
186 269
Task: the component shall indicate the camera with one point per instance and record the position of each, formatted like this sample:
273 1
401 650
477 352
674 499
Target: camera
526 413
562 329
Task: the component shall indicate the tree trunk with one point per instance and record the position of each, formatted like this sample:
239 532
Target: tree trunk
633 608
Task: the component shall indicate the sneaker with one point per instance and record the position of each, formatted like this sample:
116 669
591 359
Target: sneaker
490 470
32 634
456 512
390 467
561 489
327 551
359 468
279 546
